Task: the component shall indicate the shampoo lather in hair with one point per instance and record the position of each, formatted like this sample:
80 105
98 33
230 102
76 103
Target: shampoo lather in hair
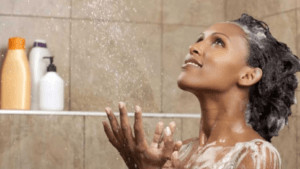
38 67
15 77
51 89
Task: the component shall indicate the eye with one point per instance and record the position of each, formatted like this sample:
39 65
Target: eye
200 39
219 42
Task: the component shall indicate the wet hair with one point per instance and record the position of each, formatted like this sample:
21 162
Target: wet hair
270 99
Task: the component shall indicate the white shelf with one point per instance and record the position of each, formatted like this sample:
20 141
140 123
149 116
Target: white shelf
81 113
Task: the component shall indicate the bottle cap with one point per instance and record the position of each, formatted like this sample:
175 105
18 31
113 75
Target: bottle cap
40 43
16 43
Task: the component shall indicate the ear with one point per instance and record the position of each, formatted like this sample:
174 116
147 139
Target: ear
249 76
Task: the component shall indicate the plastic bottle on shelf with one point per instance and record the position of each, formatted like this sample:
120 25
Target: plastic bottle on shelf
15 77
38 67
51 89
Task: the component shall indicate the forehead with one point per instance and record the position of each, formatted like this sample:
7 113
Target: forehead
227 28
238 42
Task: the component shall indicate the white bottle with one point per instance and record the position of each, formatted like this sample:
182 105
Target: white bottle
38 67
51 89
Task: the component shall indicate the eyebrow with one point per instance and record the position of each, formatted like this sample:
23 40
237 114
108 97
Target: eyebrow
202 35
221 34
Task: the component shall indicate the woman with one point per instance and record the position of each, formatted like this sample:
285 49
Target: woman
244 80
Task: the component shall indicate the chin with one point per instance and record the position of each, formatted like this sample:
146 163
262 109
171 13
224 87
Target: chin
184 83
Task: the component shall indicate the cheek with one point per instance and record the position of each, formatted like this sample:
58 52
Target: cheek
224 71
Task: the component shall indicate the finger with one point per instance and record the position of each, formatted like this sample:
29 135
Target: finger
168 143
114 125
175 160
112 139
126 126
172 126
157 134
139 131
178 145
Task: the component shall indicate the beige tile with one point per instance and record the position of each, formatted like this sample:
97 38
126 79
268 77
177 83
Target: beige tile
294 107
100 153
123 10
176 41
235 8
294 110
56 8
298 32
193 12
298 138
286 144
297 93
42 142
190 128
298 78
54 31
284 33
298 161
6 7
10 141
259 8
114 62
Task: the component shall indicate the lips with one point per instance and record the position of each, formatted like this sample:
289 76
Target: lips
192 61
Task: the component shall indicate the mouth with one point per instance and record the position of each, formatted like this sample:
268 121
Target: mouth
190 61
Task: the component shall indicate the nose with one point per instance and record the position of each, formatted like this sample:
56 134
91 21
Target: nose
195 50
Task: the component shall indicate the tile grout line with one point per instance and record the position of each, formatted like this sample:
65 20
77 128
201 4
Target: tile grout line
161 56
181 132
100 20
297 110
70 53
85 19
297 148
83 153
225 13
277 13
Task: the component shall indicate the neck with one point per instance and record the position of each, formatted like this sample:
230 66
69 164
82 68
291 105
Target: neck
222 115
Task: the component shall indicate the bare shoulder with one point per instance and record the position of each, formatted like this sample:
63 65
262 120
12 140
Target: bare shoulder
260 154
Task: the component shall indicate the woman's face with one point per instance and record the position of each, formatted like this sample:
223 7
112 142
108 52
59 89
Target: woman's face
215 60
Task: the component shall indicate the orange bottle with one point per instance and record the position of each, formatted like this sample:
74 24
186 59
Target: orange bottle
15 77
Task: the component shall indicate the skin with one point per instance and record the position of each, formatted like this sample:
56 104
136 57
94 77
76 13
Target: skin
224 74
134 149
221 83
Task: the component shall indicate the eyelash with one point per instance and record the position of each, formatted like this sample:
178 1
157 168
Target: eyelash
219 41
200 39
216 41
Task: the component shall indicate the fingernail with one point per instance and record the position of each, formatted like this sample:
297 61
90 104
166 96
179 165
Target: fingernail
107 110
121 104
160 123
137 108
168 131
173 124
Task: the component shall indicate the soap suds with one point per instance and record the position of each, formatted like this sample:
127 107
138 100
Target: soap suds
206 157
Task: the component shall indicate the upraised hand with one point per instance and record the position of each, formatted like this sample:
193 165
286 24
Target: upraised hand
134 149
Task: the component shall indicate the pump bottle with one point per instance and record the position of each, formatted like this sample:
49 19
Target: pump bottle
51 89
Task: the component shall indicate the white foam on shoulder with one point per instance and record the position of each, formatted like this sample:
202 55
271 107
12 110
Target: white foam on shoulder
220 157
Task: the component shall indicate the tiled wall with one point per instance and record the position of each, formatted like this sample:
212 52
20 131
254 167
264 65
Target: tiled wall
126 50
